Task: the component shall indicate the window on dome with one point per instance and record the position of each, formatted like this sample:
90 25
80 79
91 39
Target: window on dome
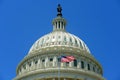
29 64
97 70
36 62
70 40
51 59
43 63
81 44
43 60
64 38
84 45
24 66
75 41
62 25
93 68
59 24
88 66
75 63
82 65
62 22
58 59
56 25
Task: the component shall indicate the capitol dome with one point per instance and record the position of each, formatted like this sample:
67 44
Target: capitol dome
59 38
43 59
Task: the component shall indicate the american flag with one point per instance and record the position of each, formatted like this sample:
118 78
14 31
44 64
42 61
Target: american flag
67 58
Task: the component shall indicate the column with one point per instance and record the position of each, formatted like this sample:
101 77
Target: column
32 65
71 64
22 70
38 65
91 67
63 26
79 64
60 25
27 67
46 62
85 65
54 27
55 62
57 25
62 64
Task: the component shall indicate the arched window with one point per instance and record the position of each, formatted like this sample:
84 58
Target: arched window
51 59
82 65
43 63
75 63
81 44
88 66
43 60
36 61
51 62
93 68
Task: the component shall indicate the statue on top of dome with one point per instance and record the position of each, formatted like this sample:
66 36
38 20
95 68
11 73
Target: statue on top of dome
59 9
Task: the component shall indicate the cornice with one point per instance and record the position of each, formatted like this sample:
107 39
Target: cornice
62 70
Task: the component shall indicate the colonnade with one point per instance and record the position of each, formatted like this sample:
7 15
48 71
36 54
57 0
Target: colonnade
52 62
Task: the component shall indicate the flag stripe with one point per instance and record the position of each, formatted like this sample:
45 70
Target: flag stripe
64 60
70 58
67 58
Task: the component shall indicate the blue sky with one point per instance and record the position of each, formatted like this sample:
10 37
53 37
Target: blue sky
96 22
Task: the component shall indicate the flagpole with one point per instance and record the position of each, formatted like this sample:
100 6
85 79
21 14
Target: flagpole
58 71
59 68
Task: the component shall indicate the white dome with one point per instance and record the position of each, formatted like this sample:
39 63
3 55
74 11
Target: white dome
59 38
43 60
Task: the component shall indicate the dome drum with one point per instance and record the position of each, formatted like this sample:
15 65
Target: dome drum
42 62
